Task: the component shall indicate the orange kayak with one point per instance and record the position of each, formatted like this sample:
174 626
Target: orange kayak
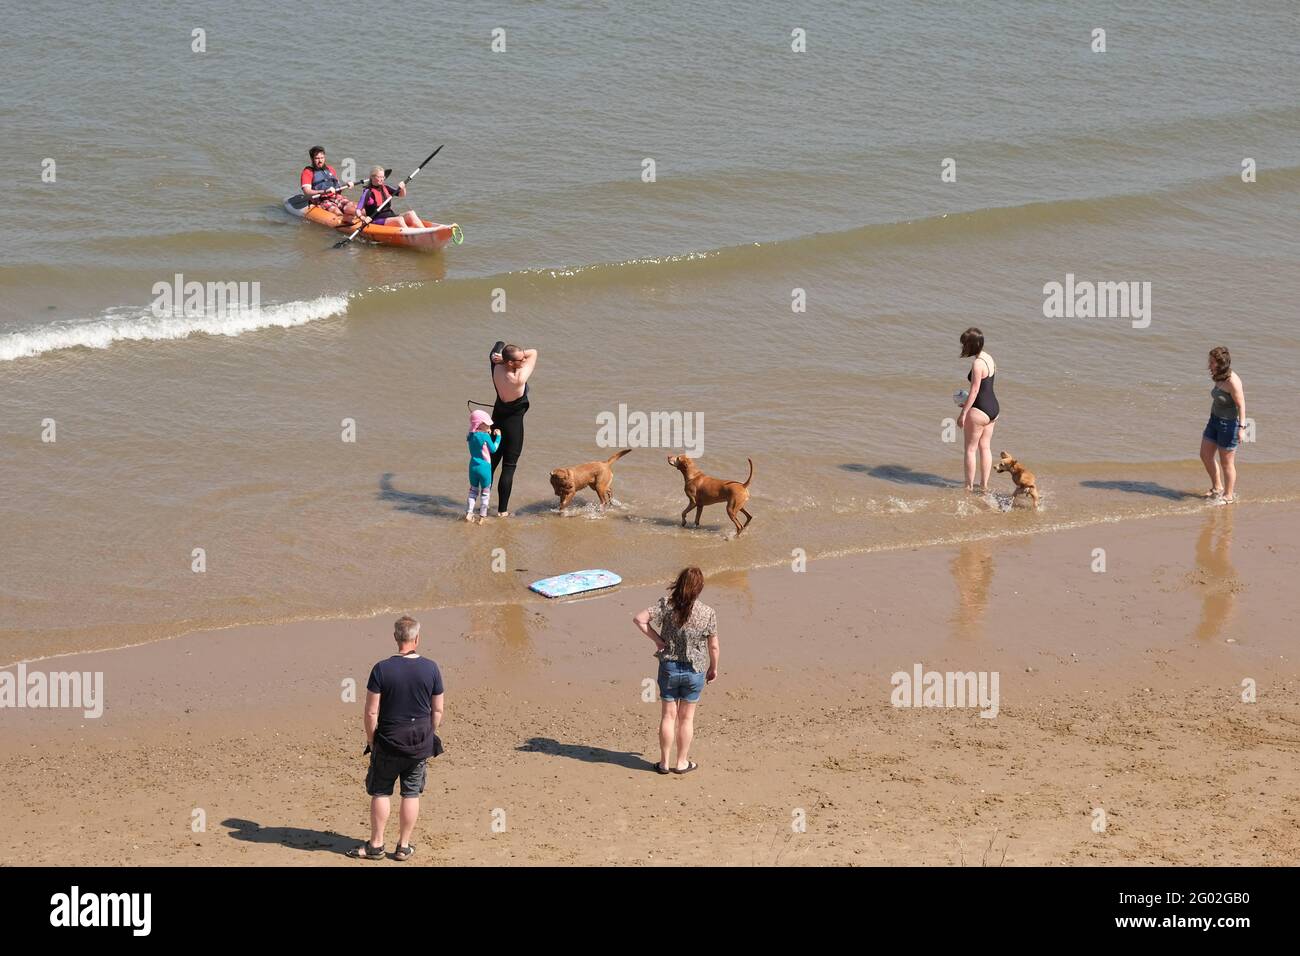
432 237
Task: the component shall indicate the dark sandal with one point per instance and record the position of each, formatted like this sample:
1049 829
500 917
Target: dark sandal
661 769
403 853
366 852
690 765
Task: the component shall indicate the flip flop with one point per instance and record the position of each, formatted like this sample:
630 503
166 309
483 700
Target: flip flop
662 770
403 853
1213 493
366 852
690 765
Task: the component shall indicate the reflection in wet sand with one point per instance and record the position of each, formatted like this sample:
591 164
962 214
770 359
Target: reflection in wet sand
736 582
1215 572
503 631
972 570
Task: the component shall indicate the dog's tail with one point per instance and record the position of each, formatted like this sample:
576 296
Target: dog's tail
616 456
751 472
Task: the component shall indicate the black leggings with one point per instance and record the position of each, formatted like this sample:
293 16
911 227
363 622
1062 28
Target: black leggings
509 417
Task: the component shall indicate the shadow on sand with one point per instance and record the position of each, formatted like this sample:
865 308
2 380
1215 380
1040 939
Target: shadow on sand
437 506
619 758
902 475
440 506
295 838
536 508
676 522
1141 488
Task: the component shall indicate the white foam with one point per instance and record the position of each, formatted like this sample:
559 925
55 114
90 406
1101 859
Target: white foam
899 506
142 325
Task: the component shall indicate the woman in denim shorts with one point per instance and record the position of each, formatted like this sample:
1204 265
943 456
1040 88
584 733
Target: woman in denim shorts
685 633
1223 432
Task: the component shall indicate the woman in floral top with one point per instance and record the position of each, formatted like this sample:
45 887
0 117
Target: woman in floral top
685 633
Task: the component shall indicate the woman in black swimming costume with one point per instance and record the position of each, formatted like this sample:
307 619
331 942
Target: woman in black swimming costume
511 368
980 412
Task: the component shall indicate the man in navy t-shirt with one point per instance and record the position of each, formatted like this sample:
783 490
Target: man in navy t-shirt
403 711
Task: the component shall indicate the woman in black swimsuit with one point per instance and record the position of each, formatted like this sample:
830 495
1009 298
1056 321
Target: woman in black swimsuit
511 367
980 412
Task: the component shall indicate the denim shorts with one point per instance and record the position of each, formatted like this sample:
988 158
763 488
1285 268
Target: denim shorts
386 768
1222 431
677 681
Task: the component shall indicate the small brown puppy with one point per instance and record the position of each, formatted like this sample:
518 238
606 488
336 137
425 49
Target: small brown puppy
567 482
1026 484
702 490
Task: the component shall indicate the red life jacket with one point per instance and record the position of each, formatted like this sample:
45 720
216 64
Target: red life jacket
375 197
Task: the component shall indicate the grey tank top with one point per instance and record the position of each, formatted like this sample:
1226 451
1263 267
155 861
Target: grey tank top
1223 405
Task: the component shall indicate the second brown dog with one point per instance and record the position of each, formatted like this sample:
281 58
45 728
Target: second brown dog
1026 483
599 475
703 490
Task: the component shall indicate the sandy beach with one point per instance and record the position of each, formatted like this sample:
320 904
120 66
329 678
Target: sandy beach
1120 692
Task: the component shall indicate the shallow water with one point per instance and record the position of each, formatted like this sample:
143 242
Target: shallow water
776 171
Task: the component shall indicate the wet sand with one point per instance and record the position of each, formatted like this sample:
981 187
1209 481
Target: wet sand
1119 690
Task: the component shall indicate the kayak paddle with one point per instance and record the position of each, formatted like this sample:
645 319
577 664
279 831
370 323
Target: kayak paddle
392 193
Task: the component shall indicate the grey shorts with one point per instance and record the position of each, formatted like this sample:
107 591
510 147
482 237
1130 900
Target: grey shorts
386 768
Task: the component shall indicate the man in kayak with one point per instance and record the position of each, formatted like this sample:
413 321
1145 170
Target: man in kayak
373 196
320 184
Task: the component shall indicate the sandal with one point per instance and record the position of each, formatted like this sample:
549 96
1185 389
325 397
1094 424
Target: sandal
1213 493
1231 500
661 769
366 852
690 765
403 853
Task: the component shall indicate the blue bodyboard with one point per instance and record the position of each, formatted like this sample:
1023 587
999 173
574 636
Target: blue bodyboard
575 582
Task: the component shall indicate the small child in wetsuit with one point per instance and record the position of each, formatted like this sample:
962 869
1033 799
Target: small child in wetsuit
481 446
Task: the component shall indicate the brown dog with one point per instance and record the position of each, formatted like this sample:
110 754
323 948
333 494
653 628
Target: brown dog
702 490
567 482
1026 484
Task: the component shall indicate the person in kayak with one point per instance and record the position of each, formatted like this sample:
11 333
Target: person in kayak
321 185
373 196
511 368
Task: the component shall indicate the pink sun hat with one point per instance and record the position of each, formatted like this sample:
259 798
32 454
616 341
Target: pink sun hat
478 417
